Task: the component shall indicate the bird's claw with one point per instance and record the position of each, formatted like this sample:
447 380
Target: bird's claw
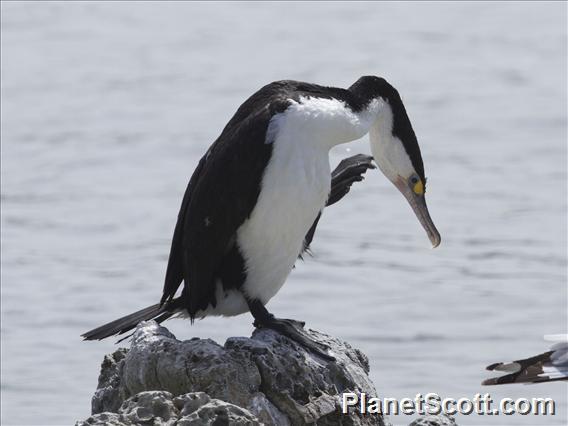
294 330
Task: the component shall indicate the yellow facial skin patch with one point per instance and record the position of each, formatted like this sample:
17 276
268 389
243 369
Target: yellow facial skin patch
418 188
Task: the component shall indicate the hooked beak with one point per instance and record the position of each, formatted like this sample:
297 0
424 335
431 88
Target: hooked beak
418 204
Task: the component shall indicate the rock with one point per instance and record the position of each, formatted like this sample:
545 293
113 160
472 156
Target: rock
432 420
157 360
217 412
162 408
190 402
106 396
147 407
104 419
264 379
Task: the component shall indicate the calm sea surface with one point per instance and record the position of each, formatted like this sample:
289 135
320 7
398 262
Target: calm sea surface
107 107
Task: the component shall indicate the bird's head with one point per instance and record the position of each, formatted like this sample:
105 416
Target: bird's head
395 148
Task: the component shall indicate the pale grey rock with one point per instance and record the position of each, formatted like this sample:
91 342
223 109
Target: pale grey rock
432 420
102 419
161 408
266 411
218 412
157 360
267 376
190 402
302 385
151 407
108 395
266 379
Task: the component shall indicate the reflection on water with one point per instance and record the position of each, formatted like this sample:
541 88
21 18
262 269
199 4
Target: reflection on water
106 108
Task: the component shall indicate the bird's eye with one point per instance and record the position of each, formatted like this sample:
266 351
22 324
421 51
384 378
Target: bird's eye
416 185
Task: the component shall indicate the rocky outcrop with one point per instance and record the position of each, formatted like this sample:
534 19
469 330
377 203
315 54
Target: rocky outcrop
268 376
265 379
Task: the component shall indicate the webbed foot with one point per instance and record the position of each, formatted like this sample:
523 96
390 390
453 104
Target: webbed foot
295 330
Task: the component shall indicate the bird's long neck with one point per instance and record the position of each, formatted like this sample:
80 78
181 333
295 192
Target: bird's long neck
375 118
388 151
324 123
332 122
381 127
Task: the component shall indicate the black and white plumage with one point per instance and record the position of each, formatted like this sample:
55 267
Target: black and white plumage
550 366
255 198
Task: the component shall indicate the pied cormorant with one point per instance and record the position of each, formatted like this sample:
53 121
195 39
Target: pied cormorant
253 202
550 366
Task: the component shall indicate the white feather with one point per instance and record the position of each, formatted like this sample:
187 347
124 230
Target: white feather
229 303
388 151
294 189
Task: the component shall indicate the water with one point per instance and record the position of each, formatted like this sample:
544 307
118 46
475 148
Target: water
107 107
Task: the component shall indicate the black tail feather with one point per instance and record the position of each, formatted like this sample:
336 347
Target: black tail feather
128 322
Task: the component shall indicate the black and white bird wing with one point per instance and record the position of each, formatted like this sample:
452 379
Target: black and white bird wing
219 197
347 172
546 367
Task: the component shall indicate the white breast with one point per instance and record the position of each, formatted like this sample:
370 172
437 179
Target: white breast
295 186
294 189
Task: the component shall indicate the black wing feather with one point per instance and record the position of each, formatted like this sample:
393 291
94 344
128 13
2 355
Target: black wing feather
174 271
348 171
219 198
224 197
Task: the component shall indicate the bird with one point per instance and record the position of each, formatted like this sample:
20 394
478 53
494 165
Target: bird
254 201
550 366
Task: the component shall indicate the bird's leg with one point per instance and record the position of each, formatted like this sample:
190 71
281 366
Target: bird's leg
290 328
